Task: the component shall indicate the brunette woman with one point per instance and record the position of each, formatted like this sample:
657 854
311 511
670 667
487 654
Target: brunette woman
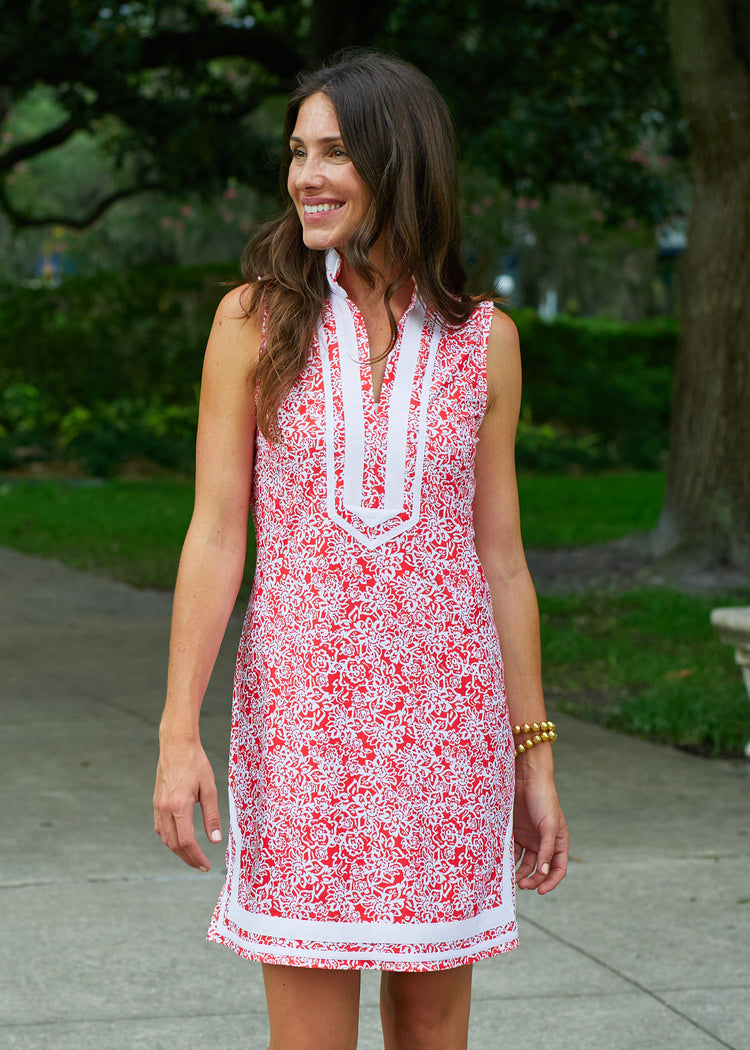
390 773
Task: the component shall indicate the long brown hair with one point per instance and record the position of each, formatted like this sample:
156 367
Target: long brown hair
399 134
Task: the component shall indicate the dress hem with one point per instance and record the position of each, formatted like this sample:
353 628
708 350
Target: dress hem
361 961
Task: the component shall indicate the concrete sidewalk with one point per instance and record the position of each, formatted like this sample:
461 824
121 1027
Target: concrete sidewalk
645 945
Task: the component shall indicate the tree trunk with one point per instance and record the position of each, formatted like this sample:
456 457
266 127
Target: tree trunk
706 514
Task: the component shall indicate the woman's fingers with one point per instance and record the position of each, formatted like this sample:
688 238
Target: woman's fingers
525 869
188 848
557 871
550 861
209 801
542 868
176 831
184 778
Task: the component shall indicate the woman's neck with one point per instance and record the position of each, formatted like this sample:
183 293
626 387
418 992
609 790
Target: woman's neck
368 298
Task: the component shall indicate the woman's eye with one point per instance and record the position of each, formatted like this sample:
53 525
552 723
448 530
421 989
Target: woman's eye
298 152
338 151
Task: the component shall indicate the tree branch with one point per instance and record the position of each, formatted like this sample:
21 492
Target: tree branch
19 219
53 137
179 49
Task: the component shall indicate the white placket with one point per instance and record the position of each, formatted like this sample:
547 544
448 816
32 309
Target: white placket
398 406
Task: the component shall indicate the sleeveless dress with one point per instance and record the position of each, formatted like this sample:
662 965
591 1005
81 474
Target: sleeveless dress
371 759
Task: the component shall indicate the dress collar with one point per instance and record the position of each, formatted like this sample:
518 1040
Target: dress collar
333 271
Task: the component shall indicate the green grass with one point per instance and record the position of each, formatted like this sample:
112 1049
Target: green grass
560 511
647 662
132 531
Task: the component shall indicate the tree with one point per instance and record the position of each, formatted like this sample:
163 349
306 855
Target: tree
177 89
544 92
706 512
170 87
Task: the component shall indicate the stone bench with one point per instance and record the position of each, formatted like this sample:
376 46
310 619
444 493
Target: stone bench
733 625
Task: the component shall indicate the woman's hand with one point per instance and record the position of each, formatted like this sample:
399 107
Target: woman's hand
184 777
539 832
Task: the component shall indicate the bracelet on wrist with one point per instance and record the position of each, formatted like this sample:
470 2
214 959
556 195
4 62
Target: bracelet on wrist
541 733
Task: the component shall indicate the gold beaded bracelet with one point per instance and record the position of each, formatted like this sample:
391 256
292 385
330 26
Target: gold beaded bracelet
543 732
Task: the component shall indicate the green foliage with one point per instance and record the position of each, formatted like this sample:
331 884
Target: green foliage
137 334
548 449
561 244
647 662
172 91
103 438
100 439
26 424
101 371
24 411
548 92
106 369
184 229
603 378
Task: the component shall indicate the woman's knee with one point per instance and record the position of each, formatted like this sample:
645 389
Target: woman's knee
311 1009
428 1011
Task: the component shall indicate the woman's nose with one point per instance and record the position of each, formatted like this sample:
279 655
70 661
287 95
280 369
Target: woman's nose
309 173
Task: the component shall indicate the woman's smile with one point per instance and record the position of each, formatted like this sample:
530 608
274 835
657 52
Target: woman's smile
316 209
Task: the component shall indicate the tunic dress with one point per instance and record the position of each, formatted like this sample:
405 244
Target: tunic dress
371 758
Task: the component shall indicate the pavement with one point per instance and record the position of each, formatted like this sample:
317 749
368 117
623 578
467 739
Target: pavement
645 945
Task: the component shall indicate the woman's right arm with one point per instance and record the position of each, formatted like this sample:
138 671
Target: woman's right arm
209 577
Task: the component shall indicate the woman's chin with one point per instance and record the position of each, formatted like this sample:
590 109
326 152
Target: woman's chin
318 240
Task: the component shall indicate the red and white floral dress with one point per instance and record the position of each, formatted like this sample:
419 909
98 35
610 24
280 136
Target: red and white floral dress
371 761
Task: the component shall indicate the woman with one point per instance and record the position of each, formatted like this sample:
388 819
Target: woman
373 406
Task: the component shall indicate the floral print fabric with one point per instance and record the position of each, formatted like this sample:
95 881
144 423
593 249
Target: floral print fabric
371 760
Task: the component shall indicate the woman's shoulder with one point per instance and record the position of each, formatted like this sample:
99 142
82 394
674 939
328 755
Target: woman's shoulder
503 334
489 324
238 304
503 357
237 329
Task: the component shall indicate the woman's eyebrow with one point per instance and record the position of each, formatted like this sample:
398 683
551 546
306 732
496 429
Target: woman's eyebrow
325 138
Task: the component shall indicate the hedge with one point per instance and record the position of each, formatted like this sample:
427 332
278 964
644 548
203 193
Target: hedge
104 368
602 377
139 333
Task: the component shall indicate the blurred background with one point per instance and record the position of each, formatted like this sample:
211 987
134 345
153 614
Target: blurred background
605 160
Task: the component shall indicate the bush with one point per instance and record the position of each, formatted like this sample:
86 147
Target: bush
603 378
108 354
26 424
136 334
550 450
102 438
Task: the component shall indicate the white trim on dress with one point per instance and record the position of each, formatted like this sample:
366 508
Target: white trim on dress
251 925
395 503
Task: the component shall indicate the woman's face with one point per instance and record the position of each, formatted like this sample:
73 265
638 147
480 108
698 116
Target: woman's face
327 190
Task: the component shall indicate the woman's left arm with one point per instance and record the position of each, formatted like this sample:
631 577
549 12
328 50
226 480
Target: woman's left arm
539 827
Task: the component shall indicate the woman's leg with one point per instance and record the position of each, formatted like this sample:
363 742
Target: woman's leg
312 1009
426 1011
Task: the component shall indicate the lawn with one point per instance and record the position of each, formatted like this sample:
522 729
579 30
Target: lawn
559 511
133 530
646 661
